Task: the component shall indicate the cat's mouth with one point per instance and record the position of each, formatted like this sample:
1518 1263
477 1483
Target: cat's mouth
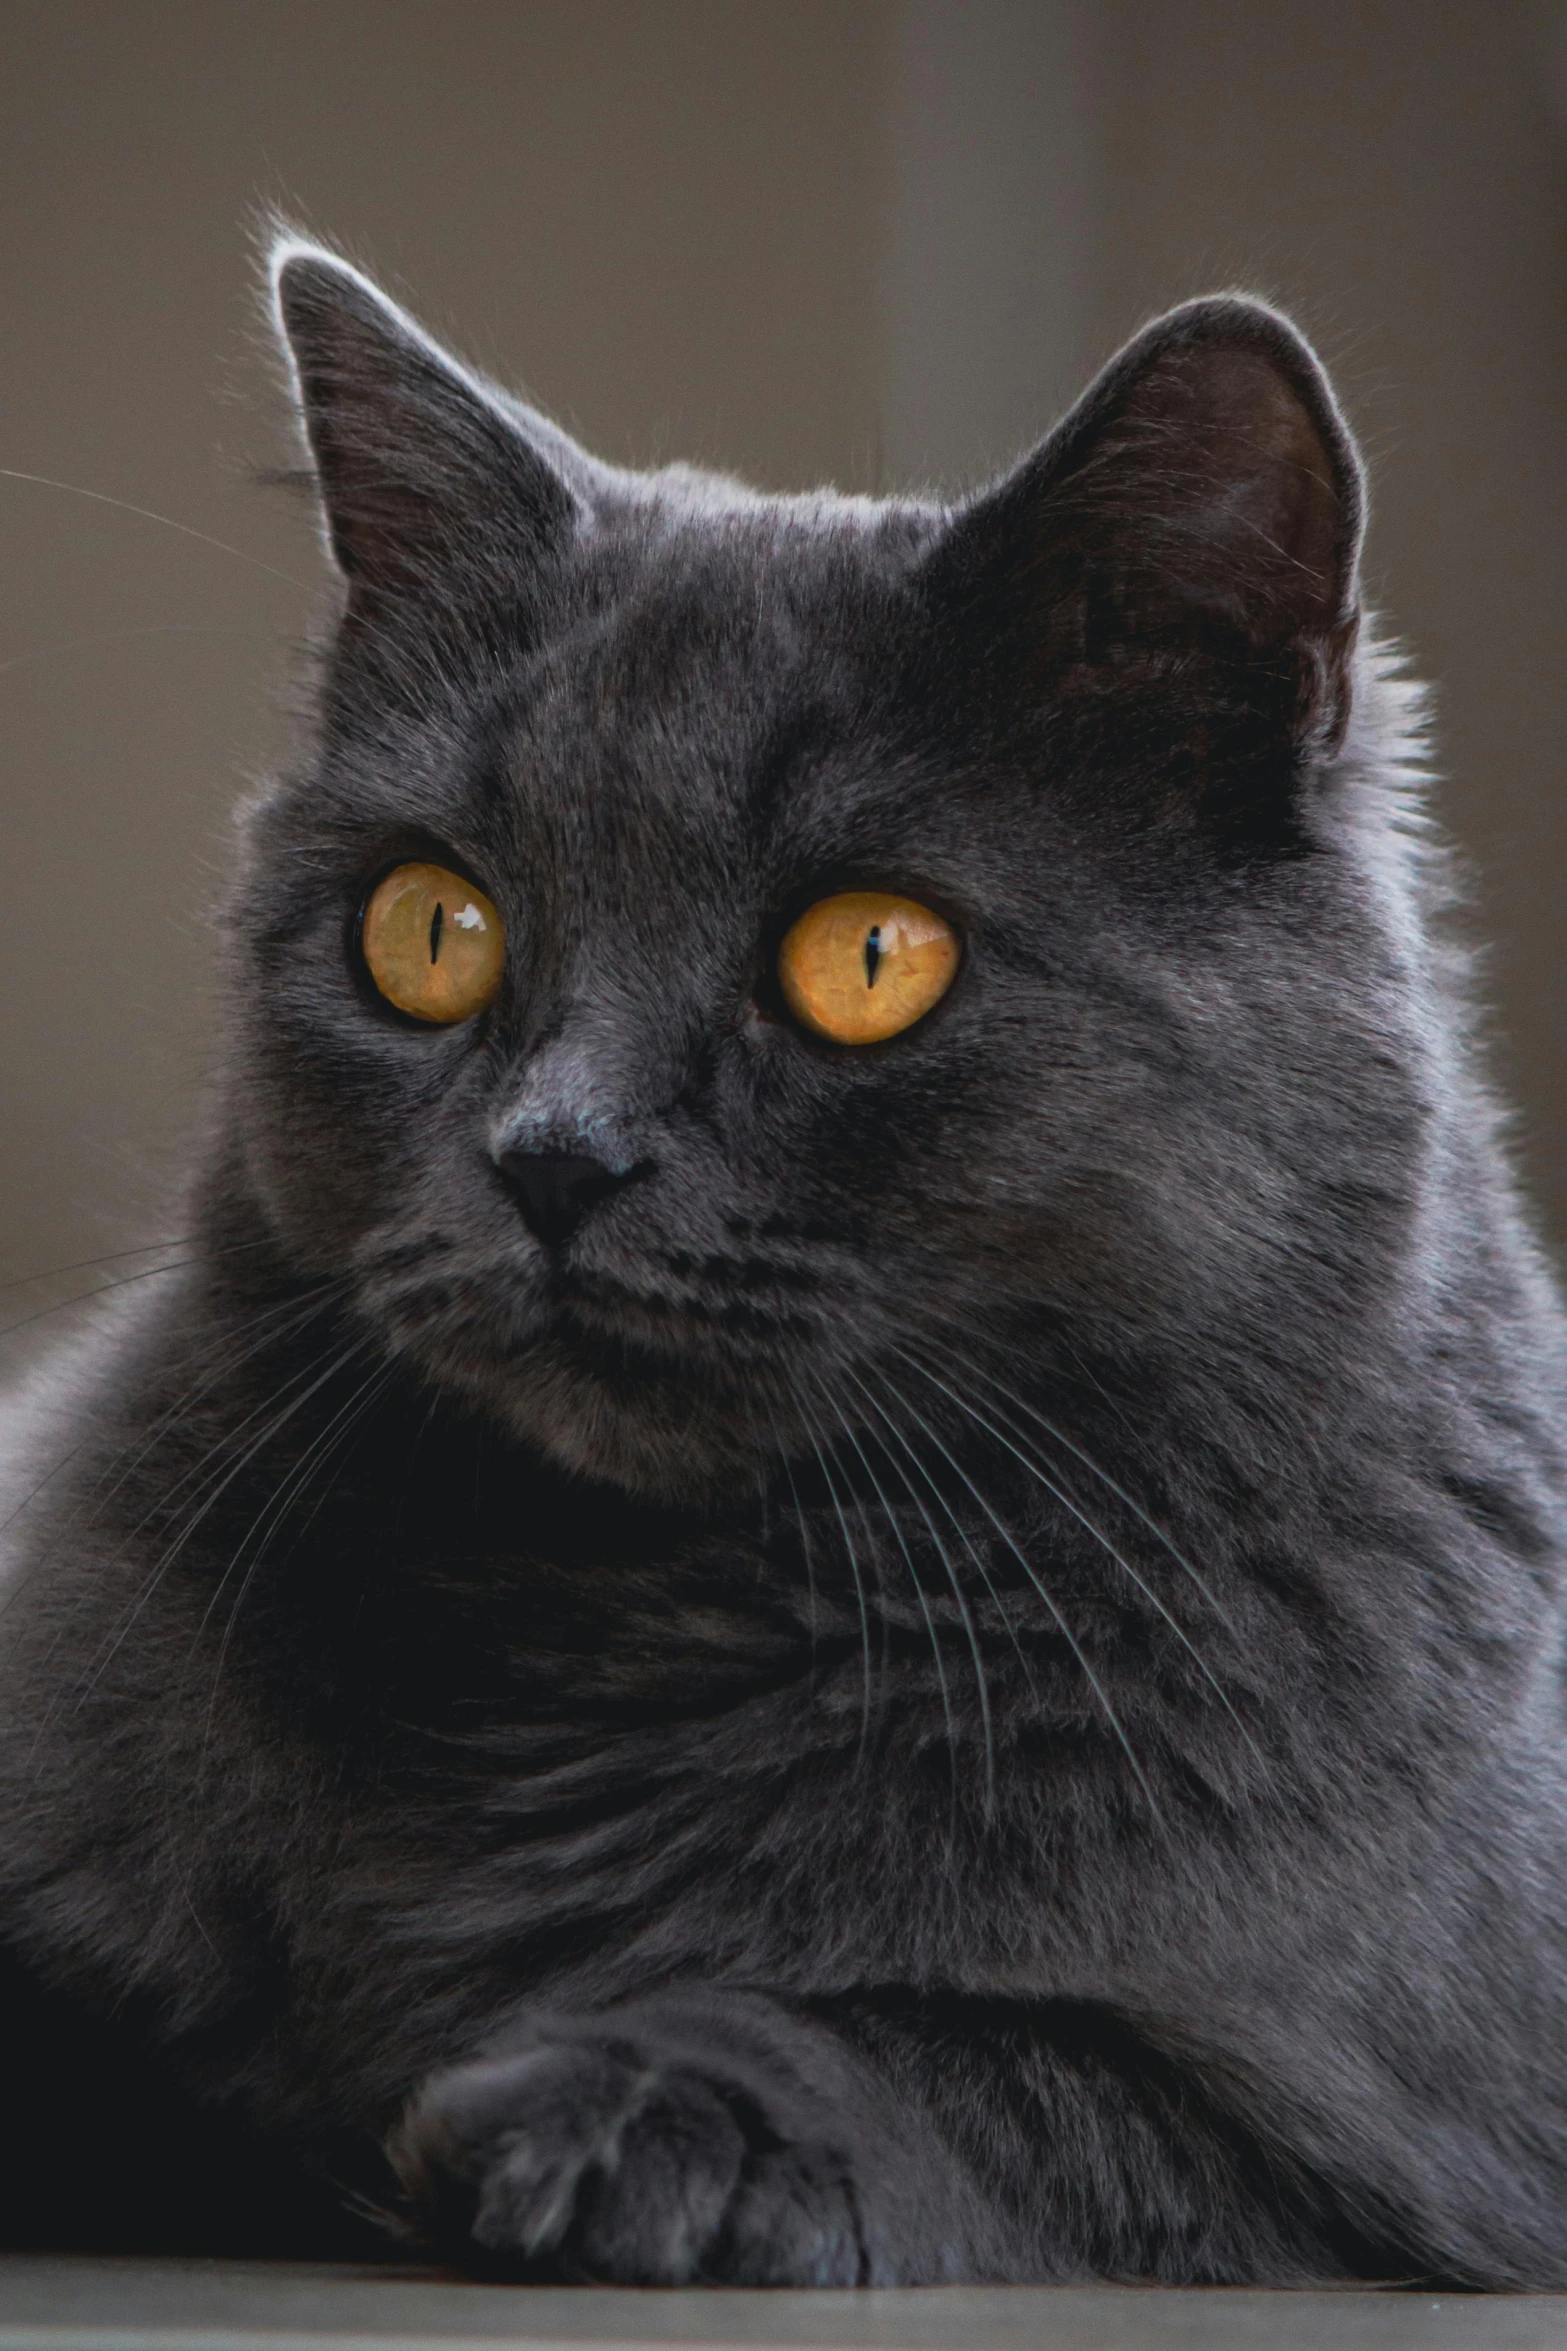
593 1308
649 1377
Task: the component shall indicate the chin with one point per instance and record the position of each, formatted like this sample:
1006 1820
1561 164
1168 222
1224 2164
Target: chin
664 1432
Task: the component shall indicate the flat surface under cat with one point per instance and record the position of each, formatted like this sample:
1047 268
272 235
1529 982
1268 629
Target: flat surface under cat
836 1558
126 2305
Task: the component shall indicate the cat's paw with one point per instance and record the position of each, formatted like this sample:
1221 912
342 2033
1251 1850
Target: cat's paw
588 2150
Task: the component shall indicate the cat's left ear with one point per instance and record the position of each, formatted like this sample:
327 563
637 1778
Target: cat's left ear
1195 520
430 480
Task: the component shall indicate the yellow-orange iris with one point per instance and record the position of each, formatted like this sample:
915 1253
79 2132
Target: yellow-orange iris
865 965
433 944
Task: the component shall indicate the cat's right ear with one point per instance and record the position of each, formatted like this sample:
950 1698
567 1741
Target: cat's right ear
429 479
1182 554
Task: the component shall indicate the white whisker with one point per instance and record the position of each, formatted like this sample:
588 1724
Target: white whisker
11 473
1092 1528
1112 1485
1045 1594
801 1523
854 1566
329 1439
952 1577
930 1626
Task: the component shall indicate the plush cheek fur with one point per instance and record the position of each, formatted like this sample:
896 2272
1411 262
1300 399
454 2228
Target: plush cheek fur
958 1673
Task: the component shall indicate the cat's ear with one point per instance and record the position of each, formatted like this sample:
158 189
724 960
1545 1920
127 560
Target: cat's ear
1197 516
427 476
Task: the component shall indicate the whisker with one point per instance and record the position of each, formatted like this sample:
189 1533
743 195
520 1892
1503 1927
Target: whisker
10 473
1097 1469
333 1439
289 1316
85 1297
1027 1565
930 1623
952 1577
56 1469
129 1458
284 1319
54 1273
1092 1528
215 1494
801 1522
379 1386
967 1540
338 1363
854 1567
271 1517
167 628
872 1547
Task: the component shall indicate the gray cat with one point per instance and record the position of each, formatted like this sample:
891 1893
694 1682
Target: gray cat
840 1558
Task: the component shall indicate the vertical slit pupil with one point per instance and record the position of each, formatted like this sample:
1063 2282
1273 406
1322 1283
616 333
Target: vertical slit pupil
437 922
872 953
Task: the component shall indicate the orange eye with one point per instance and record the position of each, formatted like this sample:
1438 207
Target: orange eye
865 965
433 944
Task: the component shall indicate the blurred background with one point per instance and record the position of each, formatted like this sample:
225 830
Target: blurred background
876 242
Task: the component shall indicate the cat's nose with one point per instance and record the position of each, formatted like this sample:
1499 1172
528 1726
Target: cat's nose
555 1189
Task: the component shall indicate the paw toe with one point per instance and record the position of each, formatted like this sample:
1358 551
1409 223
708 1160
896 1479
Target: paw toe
594 2157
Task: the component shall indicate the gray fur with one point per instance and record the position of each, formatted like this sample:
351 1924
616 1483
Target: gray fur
971 1684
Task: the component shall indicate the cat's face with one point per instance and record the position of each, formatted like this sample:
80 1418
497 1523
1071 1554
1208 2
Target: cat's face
635 1204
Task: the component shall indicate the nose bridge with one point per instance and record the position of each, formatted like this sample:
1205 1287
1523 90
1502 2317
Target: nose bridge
591 1084
621 986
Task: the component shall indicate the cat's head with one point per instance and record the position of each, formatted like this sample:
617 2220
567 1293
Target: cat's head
612 1143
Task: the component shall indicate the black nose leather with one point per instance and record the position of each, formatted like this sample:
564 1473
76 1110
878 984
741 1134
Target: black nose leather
555 1190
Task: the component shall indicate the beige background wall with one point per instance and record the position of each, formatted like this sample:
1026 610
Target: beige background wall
876 241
